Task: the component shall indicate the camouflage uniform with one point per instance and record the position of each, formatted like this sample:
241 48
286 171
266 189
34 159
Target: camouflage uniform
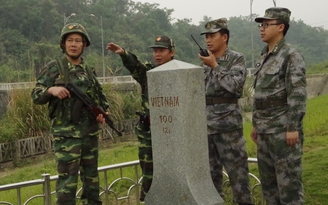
226 142
138 71
75 129
279 107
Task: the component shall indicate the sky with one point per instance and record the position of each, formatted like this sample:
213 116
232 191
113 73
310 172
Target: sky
311 12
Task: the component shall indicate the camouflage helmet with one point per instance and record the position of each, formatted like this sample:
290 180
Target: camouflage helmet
73 28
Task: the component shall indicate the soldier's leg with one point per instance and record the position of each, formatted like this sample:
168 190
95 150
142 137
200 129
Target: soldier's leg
267 169
146 164
288 170
89 171
215 165
67 154
146 159
233 156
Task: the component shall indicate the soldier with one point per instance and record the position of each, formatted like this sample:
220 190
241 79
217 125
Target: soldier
74 128
278 111
163 52
225 75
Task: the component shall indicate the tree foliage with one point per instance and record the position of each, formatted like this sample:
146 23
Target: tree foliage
30 30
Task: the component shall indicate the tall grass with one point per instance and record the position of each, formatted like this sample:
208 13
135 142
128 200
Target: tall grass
24 119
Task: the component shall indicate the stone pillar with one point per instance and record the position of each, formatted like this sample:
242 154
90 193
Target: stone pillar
179 137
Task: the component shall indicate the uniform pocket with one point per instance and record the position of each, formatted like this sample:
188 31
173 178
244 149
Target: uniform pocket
270 78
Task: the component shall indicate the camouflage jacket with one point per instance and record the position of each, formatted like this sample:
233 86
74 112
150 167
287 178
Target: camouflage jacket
279 75
138 71
226 80
69 118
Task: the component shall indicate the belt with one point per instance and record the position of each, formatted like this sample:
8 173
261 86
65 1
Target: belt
263 104
220 100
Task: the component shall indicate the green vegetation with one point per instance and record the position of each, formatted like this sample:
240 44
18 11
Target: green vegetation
315 165
116 153
315 150
321 68
30 32
23 119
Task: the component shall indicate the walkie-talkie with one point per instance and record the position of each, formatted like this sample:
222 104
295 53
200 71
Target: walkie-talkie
203 52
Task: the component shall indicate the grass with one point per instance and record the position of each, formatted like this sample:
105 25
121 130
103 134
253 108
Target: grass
33 169
315 163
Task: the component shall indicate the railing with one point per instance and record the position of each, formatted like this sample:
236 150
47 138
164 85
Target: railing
29 147
112 79
109 195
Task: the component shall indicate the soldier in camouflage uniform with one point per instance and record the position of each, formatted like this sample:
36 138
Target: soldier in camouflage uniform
225 75
163 51
278 111
74 128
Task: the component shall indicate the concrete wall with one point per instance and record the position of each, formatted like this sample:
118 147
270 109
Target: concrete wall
317 85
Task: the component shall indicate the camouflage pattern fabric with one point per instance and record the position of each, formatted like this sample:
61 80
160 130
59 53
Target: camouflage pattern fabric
225 125
280 168
280 75
61 111
73 136
145 154
71 154
215 26
229 150
277 13
138 72
227 81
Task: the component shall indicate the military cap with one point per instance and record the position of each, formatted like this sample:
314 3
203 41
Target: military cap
215 26
278 13
163 42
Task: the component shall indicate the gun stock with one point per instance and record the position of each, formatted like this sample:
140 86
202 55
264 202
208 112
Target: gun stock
91 105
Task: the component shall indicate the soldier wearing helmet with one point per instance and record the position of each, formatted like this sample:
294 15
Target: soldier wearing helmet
73 30
75 130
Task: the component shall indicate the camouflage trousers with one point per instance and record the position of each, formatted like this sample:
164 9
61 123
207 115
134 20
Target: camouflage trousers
280 169
145 158
74 155
229 150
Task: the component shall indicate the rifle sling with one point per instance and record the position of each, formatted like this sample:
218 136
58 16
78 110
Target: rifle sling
78 104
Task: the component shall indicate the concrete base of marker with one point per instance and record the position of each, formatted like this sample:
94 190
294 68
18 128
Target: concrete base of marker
179 137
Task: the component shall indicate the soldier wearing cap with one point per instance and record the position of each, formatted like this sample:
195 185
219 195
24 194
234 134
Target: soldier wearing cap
225 75
278 111
75 130
163 52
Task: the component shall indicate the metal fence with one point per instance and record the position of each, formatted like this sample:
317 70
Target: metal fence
38 145
112 79
127 194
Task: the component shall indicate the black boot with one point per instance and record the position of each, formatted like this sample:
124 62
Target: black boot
142 196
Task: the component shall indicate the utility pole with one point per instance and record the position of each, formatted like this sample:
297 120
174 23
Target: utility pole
102 44
252 40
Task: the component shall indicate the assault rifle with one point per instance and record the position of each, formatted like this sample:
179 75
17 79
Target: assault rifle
91 105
